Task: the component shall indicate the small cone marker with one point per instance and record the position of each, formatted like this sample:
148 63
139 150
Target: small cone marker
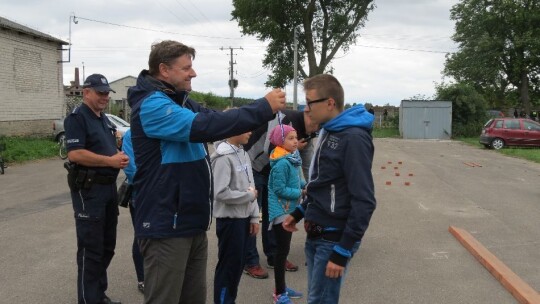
389 162
400 162
410 174
395 168
397 173
383 167
388 183
407 183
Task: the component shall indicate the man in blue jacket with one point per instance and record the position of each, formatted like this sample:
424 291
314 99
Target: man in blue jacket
173 181
340 192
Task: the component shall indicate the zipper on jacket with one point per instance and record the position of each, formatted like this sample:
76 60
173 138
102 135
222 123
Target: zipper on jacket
174 220
210 191
332 197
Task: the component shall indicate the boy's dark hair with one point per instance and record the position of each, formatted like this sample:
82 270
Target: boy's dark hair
326 85
166 52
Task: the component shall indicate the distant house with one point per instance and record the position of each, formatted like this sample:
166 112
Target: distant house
31 84
121 87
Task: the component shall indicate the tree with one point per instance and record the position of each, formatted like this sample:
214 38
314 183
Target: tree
420 97
499 49
323 26
468 108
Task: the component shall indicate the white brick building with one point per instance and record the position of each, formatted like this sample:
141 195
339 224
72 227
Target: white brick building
31 84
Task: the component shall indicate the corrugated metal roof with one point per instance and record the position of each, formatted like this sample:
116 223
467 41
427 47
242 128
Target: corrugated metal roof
8 24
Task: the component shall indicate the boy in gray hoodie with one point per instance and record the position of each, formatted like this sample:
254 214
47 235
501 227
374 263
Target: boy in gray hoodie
236 212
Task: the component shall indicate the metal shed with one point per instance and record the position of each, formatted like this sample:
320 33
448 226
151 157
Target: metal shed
425 119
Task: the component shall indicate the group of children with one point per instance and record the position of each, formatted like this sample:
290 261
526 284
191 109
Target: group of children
237 212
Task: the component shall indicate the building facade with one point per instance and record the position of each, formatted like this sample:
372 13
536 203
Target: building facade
31 83
425 119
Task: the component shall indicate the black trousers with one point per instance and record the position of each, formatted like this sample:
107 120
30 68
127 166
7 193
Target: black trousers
283 242
96 218
232 236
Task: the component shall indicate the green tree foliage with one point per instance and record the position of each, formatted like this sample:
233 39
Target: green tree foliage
419 97
210 100
499 49
324 27
468 108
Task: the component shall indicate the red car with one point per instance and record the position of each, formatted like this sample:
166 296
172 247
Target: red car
501 132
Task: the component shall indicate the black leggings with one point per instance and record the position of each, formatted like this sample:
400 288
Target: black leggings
283 245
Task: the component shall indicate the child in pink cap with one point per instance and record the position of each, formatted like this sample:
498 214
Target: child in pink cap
284 191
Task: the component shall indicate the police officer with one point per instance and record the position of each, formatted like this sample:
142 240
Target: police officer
92 171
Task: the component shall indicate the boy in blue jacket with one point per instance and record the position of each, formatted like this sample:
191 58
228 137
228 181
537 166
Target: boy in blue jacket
340 192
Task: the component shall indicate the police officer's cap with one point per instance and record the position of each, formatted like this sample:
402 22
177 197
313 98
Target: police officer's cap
97 82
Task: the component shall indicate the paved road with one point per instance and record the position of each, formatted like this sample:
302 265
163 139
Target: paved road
407 256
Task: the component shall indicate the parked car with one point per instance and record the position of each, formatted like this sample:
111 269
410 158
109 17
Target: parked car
120 124
500 132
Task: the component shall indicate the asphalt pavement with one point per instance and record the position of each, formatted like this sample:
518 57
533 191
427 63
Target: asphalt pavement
407 255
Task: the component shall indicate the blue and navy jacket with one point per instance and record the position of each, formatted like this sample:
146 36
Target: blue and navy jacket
340 191
174 179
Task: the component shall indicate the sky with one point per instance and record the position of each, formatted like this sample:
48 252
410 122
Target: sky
400 52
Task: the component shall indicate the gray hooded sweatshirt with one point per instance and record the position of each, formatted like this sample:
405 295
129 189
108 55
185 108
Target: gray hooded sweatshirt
232 177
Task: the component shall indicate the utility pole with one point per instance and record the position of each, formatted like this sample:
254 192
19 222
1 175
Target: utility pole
233 83
295 82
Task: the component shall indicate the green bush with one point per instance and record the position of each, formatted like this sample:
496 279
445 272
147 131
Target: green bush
468 108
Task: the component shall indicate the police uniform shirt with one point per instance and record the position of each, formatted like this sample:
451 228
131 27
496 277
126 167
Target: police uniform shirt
85 130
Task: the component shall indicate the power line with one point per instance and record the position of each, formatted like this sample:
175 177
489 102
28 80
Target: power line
152 30
188 13
254 75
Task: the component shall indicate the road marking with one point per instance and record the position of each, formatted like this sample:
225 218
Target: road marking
441 255
471 164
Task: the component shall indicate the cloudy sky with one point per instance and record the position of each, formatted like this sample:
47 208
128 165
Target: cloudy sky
400 53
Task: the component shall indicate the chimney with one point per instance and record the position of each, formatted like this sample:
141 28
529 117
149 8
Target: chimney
77 83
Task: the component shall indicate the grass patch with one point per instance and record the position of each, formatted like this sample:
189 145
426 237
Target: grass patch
473 141
385 133
21 149
531 154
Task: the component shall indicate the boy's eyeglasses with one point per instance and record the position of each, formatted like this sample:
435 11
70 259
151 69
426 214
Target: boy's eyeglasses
309 103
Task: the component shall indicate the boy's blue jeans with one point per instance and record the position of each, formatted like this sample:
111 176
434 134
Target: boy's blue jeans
322 289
